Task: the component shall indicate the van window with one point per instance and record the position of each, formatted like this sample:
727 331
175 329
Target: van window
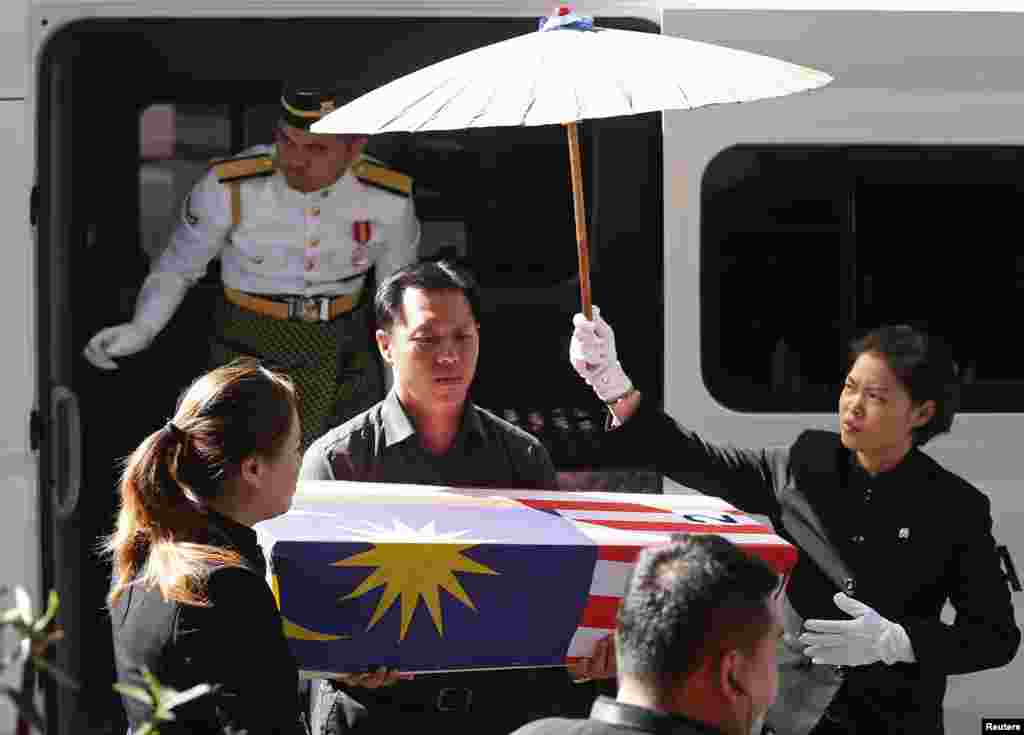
805 248
176 144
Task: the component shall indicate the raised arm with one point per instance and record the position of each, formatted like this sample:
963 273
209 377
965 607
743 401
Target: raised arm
646 437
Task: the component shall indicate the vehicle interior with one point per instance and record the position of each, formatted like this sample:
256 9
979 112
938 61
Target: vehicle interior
129 114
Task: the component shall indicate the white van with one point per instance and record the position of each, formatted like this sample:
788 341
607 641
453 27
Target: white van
736 249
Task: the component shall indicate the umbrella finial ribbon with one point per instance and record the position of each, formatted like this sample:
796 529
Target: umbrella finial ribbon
565 17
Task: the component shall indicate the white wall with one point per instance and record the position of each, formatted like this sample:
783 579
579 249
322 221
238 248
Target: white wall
19 533
13 48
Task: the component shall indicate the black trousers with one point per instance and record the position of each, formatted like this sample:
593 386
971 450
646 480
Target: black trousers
488 703
860 711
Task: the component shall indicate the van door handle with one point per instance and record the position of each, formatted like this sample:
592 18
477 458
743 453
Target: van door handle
66 455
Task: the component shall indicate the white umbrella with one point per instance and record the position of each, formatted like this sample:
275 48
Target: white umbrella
568 71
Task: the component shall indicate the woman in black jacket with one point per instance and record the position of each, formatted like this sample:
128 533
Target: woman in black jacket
189 599
887 536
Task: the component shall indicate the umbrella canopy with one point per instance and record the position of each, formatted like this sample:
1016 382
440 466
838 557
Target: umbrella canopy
568 71
573 71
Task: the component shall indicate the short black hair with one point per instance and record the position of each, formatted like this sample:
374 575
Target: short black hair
693 599
924 365
428 275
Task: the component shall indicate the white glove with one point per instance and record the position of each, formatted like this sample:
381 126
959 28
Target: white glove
159 298
864 640
592 354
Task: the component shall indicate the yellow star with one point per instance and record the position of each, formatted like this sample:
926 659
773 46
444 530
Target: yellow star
414 571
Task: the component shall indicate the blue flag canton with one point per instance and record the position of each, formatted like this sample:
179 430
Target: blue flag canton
432 606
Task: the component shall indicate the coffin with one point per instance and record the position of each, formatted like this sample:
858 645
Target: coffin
426 578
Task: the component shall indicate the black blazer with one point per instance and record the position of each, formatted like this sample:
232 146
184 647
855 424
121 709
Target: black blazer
237 643
913 538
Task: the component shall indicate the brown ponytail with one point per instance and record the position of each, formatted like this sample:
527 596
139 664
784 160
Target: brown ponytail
161 538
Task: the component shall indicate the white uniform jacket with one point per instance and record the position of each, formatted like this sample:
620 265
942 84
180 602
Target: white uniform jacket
290 242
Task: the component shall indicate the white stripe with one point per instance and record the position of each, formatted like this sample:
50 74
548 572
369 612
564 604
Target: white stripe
684 503
751 539
584 640
626 515
607 536
610 578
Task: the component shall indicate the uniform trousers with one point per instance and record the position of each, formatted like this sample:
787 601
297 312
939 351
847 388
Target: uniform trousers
334 364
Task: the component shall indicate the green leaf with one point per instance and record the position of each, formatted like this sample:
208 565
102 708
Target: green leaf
51 611
150 678
147 728
11 616
134 692
163 715
179 698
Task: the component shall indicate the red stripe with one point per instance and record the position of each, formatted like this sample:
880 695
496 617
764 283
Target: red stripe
668 527
781 557
618 553
600 612
589 505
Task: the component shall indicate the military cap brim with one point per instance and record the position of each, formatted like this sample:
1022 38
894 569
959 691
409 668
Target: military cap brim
303 105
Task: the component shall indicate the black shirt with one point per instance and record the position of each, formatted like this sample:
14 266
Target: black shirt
237 644
611 717
380 445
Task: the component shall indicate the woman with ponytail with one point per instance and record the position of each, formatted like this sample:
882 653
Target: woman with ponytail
189 599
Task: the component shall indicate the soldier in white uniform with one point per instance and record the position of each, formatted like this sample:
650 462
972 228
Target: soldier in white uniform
297 226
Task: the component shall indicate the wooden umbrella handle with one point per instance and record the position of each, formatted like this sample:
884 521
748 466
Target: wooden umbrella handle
581 216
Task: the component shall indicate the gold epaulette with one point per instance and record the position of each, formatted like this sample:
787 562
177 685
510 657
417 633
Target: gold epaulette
375 174
243 167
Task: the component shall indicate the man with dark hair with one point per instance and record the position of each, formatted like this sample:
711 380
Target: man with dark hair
696 641
426 431
297 226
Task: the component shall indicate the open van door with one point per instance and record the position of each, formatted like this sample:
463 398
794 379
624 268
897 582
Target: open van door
109 186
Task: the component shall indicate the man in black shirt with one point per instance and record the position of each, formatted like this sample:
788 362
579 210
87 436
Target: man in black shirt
426 431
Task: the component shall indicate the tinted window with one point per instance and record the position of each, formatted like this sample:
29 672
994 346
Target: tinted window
803 249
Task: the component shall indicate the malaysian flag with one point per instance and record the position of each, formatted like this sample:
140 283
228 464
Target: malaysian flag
425 578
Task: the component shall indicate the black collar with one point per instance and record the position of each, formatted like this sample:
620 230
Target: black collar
398 426
903 475
618 713
239 537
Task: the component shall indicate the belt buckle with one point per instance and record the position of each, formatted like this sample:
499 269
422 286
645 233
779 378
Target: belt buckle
454 699
309 309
